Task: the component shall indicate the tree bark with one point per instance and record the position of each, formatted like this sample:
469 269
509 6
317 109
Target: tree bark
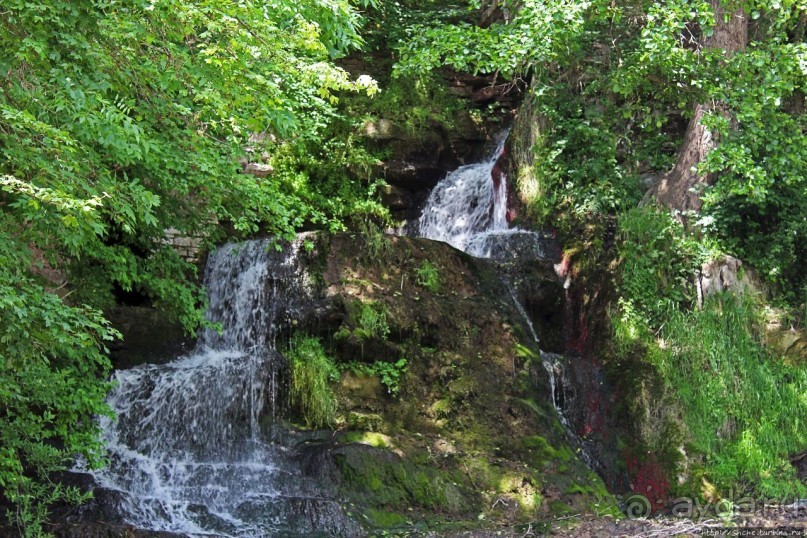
494 11
682 186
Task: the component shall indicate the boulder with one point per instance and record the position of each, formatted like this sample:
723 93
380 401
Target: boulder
149 336
382 129
413 176
396 198
787 342
720 275
258 169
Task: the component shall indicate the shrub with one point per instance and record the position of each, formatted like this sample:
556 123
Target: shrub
744 409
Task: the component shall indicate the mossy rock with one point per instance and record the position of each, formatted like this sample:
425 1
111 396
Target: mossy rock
396 483
382 480
541 453
369 438
385 519
364 421
472 422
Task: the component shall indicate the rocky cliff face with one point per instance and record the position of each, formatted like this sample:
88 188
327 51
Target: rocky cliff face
471 435
636 406
417 160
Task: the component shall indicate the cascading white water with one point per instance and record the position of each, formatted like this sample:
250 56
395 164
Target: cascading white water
468 210
520 309
186 450
466 205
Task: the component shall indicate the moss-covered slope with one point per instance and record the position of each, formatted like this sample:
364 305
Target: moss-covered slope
442 413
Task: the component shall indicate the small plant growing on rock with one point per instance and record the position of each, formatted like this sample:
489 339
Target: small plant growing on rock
376 243
427 276
372 322
390 373
368 320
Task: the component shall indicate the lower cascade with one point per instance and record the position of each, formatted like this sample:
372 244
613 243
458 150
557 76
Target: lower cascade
187 450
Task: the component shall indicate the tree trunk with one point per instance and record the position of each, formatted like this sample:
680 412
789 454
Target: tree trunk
493 11
682 186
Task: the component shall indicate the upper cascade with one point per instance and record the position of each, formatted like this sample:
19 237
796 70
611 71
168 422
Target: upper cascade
468 210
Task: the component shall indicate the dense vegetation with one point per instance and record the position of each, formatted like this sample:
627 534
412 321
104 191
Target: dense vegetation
700 106
734 406
120 119
615 84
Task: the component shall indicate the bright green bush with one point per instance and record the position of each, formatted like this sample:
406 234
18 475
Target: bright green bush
367 320
312 372
745 410
53 367
390 373
658 260
760 200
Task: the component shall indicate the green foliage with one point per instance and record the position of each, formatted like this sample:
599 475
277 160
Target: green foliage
614 85
390 22
579 173
757 206
390 373
744 409
367 321
658 262
52 369
312 371
534 35
377 245
120 119
372 321
427 275
415 104
335 177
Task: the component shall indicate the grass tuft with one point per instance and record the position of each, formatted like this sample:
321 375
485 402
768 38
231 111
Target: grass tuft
312 371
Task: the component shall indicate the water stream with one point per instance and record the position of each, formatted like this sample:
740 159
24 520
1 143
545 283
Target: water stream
189 452
520 308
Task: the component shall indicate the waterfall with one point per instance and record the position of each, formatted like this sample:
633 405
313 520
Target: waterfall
565 392
468 210
186 451
520 308
469 202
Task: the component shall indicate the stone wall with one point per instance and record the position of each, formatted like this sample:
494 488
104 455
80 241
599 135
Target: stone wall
187 246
